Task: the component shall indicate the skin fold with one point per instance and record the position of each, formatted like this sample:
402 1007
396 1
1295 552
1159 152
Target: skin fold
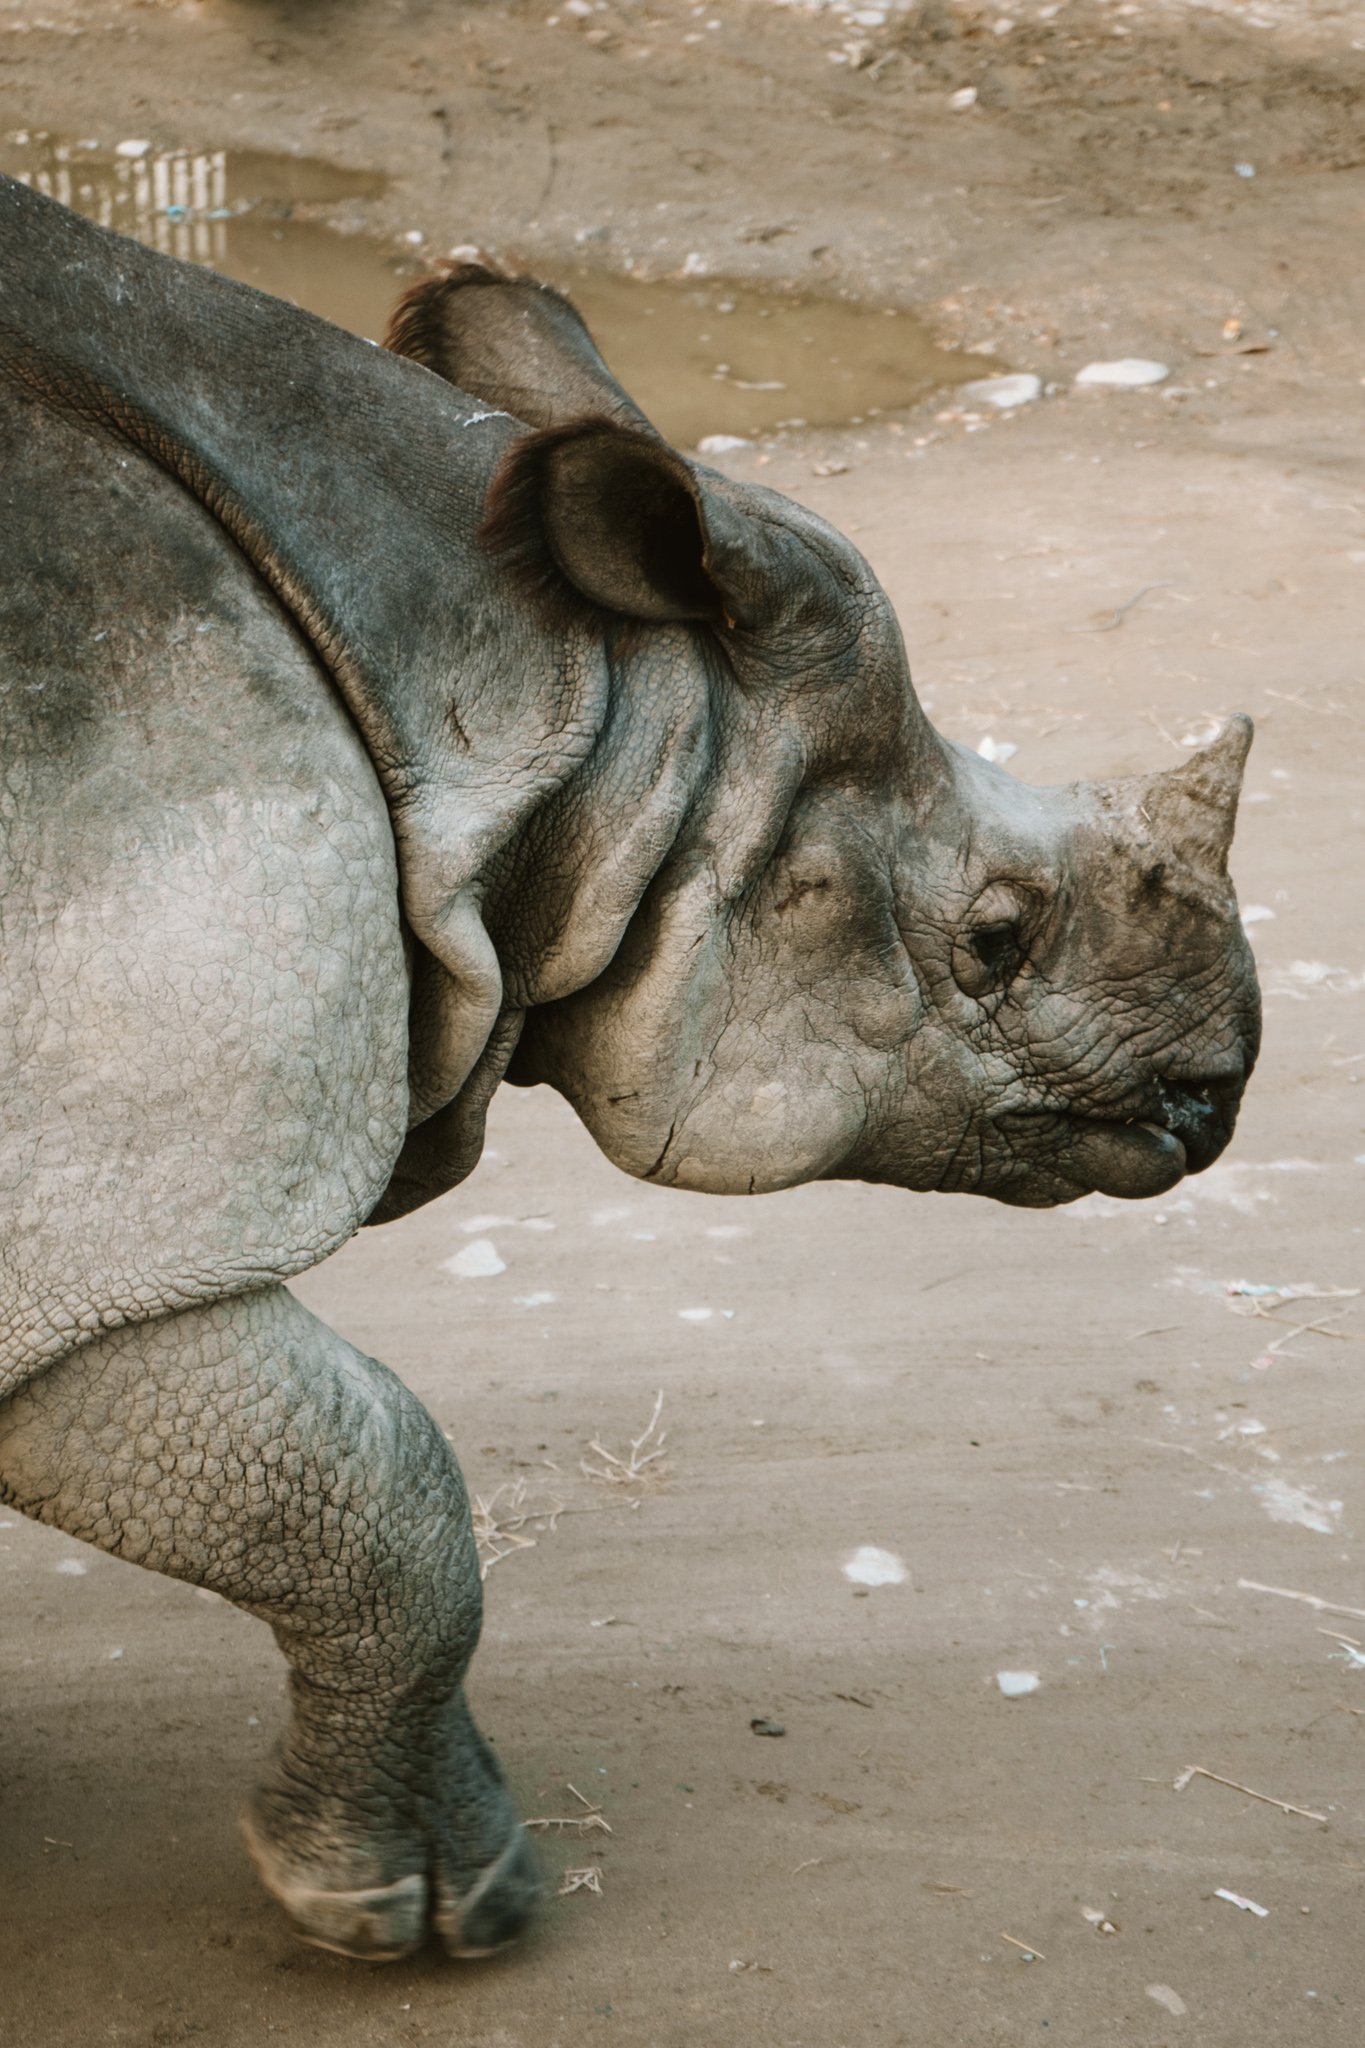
378 725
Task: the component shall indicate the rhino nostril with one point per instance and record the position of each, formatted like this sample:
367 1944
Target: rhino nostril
1185 1106
1198 1109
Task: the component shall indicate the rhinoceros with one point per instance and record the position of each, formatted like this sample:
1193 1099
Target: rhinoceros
381 724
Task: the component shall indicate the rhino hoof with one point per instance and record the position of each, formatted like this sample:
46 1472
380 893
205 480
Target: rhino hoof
375 1925
382 1923
493 1913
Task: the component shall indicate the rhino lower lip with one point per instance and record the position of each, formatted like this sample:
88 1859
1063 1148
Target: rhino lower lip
1127 1160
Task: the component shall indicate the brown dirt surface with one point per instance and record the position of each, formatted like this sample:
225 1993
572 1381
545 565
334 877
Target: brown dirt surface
1079 1442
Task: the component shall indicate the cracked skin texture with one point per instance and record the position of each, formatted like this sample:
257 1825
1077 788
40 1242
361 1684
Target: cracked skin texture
320 815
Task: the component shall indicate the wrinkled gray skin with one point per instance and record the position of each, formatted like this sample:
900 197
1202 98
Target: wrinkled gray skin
315 812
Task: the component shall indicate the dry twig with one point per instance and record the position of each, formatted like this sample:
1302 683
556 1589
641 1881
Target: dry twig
1113 620
1308 1599
1198 1771
646 1462
591 1817
1026 1946
499 1524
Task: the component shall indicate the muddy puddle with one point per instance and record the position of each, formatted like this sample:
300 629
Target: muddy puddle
702 356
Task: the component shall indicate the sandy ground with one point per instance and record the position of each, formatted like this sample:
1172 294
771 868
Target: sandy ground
1078 1440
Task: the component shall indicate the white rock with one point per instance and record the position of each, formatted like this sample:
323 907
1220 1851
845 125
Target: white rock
1016 1684
131 148
1003 392
870 1566
998 751
721 444
696 1315
966 97
1127 373
1172 2000
478 1261
72 1568
1258 913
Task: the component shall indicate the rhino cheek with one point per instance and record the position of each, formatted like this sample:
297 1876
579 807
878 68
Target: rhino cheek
733 1124
747 1139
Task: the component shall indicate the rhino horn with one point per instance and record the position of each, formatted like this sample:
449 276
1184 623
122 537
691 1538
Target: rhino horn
1194 806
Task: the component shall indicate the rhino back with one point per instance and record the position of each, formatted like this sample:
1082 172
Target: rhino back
203 995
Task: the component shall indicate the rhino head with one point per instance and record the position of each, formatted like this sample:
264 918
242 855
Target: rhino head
782 929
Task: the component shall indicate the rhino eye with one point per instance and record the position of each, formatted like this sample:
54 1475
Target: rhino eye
998 948
988 958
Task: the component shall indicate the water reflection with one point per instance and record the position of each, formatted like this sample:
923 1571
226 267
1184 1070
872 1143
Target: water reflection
700 355
174 202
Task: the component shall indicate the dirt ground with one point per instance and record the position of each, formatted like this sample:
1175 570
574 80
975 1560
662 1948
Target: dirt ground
1093 1456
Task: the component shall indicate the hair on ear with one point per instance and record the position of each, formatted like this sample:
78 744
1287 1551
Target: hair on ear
416 324
512 530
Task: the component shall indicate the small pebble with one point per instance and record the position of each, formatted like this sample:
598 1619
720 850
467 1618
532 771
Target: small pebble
870 1566
1128 372
478 1261
1003 392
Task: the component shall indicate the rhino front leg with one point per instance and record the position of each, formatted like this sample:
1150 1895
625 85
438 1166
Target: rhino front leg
246 1447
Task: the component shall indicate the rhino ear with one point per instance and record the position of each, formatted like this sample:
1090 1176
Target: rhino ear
620 518
509 342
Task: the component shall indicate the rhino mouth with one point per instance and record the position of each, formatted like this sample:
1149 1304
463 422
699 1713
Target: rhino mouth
1180 1127
1181 1130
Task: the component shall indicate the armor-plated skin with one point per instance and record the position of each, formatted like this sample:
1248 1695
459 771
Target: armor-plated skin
373 729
